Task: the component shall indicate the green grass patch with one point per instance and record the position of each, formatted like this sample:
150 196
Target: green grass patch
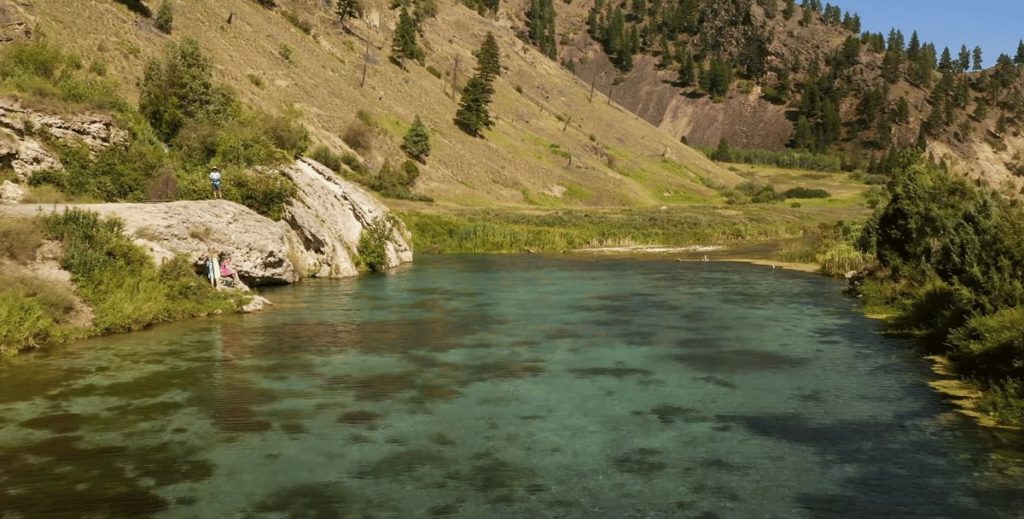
495 231
126 290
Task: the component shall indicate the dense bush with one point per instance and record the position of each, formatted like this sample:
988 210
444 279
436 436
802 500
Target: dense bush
180 88
119 173
164 21
372 247
118 279
805 193
954 255
784 159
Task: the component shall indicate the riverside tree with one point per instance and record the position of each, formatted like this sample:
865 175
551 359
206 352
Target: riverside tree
404 45
416 142
473 115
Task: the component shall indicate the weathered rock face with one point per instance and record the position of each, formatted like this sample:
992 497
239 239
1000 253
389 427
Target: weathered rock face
21 128
11 193
318 237
329 216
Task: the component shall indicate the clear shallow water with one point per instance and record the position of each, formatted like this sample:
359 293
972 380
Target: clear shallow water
504 387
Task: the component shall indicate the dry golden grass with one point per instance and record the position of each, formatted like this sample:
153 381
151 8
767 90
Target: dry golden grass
323 81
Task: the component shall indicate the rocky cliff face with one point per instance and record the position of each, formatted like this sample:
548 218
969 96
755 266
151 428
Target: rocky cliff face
22 131
328 217
319 236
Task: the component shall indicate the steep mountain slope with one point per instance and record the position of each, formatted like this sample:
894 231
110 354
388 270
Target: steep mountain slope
604 156
812 63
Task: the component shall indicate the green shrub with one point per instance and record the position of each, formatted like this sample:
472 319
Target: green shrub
789 159
118 279
24 323
325 156
372 246
992 345
1005 401
805 193
265 193
180 88
19 239
164 21
297 21
840 259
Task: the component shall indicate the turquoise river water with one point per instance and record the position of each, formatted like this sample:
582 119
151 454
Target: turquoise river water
505 386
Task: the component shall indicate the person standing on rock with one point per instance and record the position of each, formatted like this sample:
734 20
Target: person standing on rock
215 182
213 269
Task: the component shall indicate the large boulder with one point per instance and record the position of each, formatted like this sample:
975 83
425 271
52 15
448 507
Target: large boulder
329 215
11 193
318 237
259 247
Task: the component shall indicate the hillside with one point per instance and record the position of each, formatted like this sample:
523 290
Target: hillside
617 159
862 94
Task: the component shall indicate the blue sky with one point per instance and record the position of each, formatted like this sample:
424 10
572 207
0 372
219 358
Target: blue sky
996 25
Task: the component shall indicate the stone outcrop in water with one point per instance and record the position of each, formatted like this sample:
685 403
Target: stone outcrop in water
319 236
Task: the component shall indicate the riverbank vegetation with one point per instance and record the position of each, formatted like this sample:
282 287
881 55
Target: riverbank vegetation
492 231
121 285
951 273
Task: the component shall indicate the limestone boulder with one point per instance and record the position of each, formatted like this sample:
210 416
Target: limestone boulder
329 215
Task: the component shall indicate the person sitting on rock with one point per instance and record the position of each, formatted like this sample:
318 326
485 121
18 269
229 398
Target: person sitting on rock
228 273
215 182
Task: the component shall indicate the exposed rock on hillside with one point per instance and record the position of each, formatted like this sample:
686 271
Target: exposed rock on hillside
22 131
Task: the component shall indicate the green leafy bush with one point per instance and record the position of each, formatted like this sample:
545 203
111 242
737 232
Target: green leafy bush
372 246
118 279
164 21
804 193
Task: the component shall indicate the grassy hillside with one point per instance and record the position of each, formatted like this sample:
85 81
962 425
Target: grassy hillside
617 159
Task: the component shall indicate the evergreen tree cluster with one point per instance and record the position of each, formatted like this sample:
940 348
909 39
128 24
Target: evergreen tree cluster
540 21
404 45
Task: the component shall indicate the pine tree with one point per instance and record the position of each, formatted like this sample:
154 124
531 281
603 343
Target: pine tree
803 137
1019 58
964 59
488 59
976 56
473 115
346 10
946 61
404 45
164 21
540 19
687 68
789 10
417 140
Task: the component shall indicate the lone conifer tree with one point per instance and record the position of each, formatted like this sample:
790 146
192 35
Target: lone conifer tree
346 10
473 115
417 140
488 59
1019 58
404 45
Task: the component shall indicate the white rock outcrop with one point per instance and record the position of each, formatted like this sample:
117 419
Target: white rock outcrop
318 237
329 216
11 193
22 130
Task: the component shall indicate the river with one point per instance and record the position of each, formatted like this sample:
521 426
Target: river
504 386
